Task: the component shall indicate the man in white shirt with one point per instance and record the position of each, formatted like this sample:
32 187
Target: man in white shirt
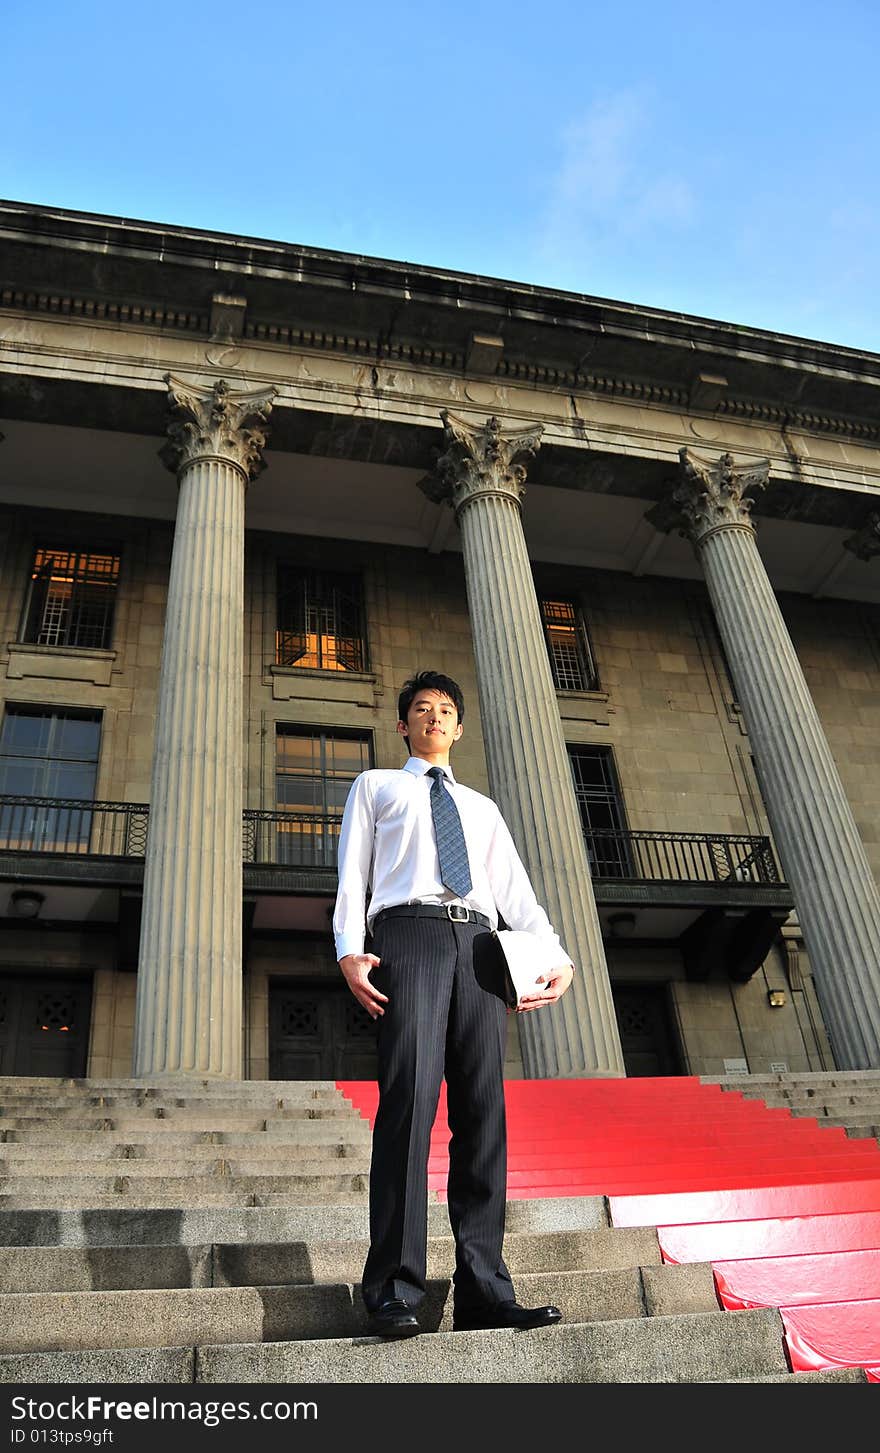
406 836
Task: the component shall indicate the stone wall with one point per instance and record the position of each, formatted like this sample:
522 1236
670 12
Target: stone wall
664 705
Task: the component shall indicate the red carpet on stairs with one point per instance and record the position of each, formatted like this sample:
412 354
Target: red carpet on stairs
787 1212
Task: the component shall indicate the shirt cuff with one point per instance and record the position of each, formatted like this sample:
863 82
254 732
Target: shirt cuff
349 943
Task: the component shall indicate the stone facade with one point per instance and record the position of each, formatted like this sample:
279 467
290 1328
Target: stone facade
352 488
665 707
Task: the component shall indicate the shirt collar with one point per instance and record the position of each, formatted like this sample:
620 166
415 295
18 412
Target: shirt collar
418 766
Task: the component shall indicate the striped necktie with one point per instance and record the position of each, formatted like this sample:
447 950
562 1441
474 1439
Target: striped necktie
455 872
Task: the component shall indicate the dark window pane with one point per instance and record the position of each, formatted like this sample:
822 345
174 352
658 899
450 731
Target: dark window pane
70 779
602 815
49 753
601 808
21 779
26 732
77 738
301 794
589 770
595 784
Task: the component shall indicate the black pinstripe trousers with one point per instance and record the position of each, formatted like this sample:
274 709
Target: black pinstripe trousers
438 1020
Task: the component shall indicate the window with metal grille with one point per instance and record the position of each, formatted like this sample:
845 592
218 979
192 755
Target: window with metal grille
320 620
48 754
600 802
71 598
314 772
568 645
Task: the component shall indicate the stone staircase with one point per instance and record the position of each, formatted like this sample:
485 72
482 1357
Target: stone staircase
153 1232
846 1098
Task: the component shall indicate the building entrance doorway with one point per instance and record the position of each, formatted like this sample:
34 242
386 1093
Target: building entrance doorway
646 1035
44 1025
318 1031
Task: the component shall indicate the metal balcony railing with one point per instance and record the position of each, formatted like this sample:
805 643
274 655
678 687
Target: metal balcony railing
291 839
681 857
310 840
72 825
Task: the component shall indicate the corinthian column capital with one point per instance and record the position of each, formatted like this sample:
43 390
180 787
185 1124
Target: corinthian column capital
710 495
216 422
482 460
865 543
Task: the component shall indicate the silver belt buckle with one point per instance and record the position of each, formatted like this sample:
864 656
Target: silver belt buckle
458 913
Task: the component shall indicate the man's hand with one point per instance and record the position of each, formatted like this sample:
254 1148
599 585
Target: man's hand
357 968
557 981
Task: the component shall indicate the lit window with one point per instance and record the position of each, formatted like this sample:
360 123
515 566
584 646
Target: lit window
568 645
314 772
320 621
71 598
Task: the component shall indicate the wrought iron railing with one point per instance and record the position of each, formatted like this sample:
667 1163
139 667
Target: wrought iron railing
73 825
310 839
291 839
681 857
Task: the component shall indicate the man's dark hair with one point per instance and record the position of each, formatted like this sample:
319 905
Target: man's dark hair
429 681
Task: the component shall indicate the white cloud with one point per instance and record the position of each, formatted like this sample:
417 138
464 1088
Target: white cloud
607 187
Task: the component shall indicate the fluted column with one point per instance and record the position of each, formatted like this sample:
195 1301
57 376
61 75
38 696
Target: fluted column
822 855
189 994
528 765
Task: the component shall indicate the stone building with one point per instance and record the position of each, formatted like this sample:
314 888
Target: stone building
246 488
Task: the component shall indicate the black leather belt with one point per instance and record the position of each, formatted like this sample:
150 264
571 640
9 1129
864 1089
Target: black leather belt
455 912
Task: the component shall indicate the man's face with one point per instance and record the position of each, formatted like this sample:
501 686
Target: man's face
432 724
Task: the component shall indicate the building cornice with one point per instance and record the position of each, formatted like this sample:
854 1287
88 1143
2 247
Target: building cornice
133 274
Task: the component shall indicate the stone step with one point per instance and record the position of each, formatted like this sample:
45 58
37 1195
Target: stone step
250 1274
172 1365
816 1104
148 1267
300 1132
193 1150
61 1321
801 1077
122 1105
177 1226
828 1374
296 1095
850 1117
700 1347
166 1200
272 1163
157 1120
691 1348
182 1186
184 1085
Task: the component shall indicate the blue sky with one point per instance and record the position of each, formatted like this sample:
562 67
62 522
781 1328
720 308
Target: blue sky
707 159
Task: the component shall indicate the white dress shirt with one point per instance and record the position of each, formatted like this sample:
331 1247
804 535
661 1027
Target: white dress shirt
388 850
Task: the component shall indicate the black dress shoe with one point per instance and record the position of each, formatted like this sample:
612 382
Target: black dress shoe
393 1319
505 1314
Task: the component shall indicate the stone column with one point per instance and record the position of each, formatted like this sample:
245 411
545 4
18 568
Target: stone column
822 855
188 1014
529 770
